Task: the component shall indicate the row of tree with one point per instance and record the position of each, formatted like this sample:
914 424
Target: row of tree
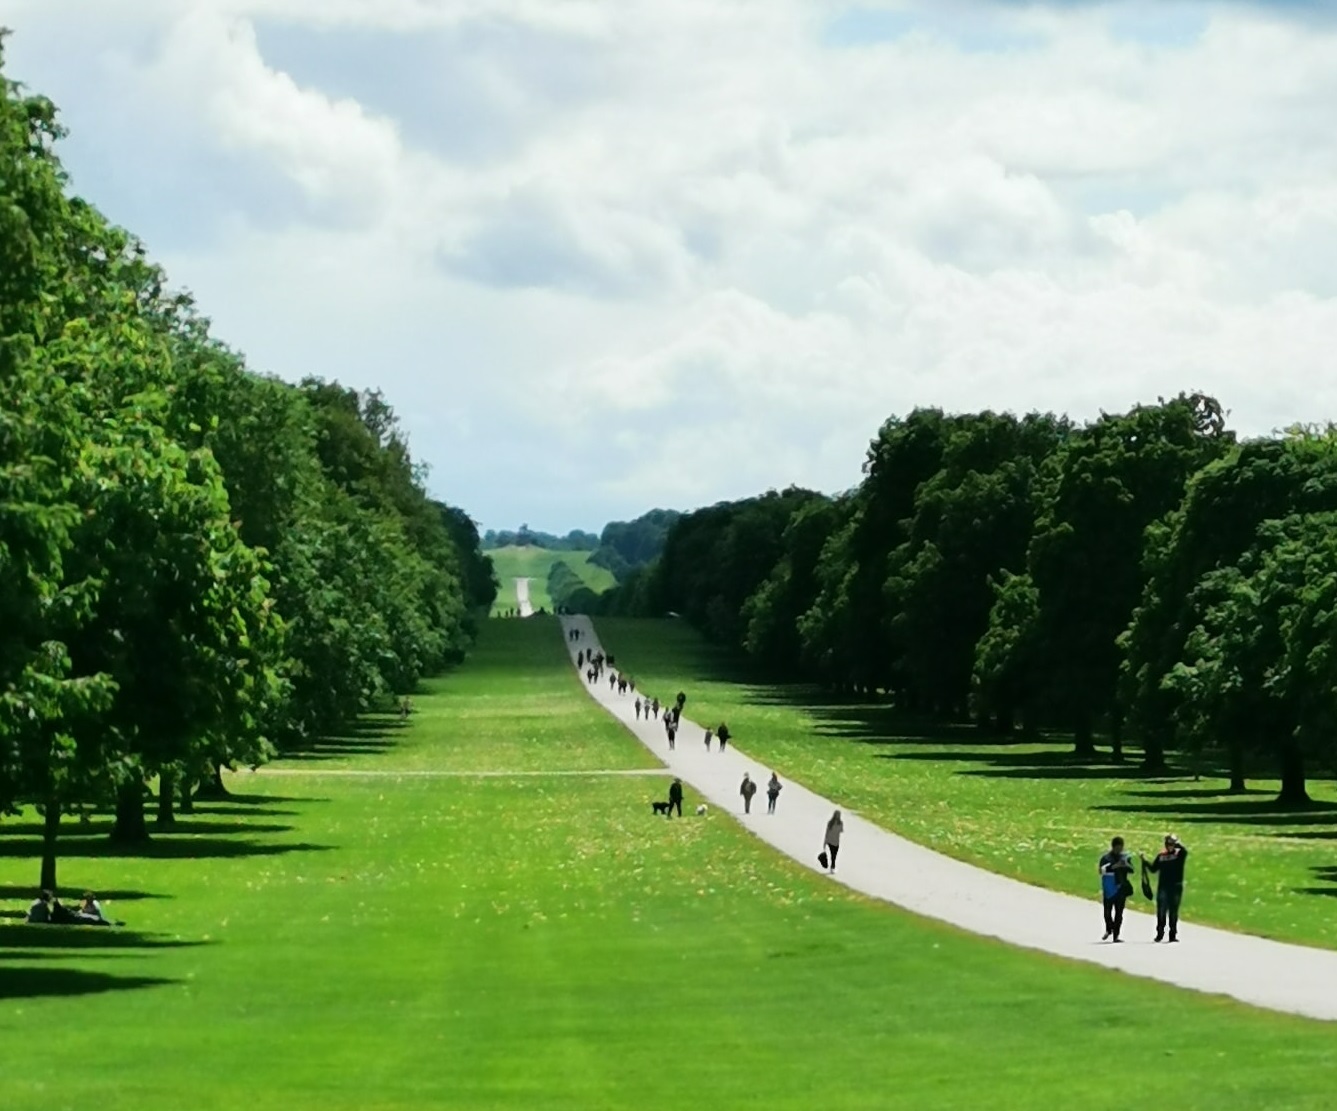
197 563
577 540
1146 575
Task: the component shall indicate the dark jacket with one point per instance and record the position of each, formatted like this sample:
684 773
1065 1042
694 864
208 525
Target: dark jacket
1169 867
675 792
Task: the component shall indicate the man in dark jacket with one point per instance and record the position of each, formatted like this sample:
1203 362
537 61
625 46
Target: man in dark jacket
675 798
1169 869
1114 868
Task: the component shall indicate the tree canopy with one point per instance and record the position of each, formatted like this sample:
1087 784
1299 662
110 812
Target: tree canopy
200 564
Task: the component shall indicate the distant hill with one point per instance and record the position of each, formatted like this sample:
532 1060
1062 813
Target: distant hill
555 576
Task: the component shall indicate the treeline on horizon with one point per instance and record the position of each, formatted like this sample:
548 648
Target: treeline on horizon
621 548
198 564
1147 578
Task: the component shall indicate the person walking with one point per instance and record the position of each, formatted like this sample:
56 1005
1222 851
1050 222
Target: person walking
654 708
1169 869
723 734
834 828
671 730
638 709
709 734
675 798
1115 887
747 790
772 793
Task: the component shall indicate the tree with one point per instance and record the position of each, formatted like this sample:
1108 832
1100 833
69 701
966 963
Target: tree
1215 526
1261 669
1101 490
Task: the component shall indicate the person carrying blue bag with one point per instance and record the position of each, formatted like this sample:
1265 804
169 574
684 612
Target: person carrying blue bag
1115 867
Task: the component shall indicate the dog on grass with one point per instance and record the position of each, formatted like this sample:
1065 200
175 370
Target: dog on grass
701 810
660 807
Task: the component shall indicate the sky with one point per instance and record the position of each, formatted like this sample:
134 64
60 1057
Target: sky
608 255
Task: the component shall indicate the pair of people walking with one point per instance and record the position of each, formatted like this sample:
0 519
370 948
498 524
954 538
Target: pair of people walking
749 788
1115 869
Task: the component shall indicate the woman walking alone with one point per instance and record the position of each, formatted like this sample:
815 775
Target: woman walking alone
772 793
834 828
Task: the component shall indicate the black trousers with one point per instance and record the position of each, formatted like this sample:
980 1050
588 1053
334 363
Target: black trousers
831 852
1167 909
1114 914
675 803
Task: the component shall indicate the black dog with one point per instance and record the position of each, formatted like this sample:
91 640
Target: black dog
660 807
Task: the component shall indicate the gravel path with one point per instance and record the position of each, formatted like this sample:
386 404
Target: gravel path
1265 973
522 598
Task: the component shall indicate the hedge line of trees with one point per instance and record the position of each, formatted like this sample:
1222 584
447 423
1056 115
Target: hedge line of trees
625 546
198 564
577 540
1144 576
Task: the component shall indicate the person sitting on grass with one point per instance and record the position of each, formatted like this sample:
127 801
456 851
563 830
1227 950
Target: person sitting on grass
90 911
39 914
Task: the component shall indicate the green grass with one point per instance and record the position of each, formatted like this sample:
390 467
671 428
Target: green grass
519 706
334 942
534 564
1026 810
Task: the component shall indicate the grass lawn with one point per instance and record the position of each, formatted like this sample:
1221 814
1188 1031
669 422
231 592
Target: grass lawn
334 941
515 562
1027 810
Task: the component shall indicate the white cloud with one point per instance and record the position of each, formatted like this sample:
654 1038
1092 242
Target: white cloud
707 226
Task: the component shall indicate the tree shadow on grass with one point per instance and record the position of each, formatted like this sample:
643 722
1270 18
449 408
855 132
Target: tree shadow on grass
84 938
188 826
1323 873
1264 811
363 738
1022 765
115 895
32 982
160 848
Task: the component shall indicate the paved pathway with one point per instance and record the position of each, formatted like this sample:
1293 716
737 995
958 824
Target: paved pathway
878 863
522 598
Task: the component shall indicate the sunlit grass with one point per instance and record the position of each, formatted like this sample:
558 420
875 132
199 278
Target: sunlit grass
545 942
1026 810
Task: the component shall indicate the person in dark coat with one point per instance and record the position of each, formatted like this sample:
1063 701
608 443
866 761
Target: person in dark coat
1169 869
1114 868
675 798
723 734
747 790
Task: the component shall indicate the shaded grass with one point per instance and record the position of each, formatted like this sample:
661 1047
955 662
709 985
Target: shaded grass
548 943
1029 810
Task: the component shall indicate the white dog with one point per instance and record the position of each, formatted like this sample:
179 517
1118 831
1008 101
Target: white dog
701 810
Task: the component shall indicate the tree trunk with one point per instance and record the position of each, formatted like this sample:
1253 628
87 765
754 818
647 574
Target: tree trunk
1153 750
1293 791
166 799
187 795
50 830
1116 736
1084 742
212 786
1237 767
130 827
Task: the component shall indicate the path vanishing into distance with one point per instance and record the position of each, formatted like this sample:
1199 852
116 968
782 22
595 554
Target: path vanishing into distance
875 862
522 598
